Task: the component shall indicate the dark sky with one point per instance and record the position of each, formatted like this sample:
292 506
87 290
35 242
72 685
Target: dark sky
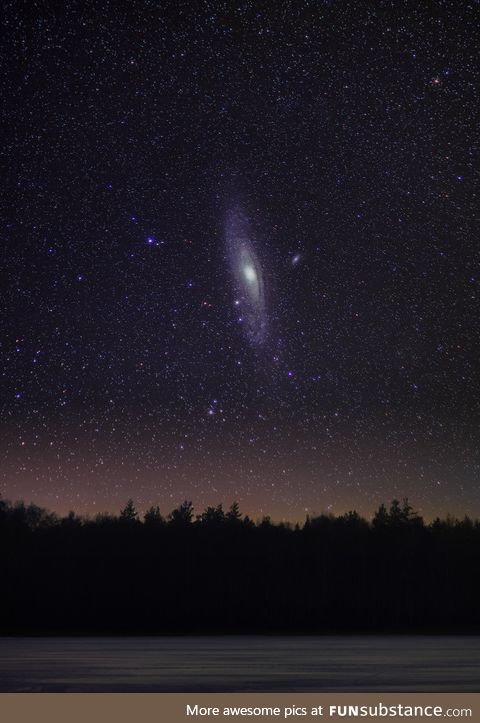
240 255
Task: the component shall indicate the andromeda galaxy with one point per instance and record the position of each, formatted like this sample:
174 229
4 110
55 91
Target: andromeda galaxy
247 276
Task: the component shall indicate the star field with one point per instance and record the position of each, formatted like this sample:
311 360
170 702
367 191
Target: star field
348 134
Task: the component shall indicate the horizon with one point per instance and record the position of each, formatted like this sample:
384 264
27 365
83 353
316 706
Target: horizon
255 517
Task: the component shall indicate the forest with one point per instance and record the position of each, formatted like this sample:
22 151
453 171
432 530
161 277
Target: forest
220 572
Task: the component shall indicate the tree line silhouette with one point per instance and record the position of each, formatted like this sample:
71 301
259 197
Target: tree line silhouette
221 572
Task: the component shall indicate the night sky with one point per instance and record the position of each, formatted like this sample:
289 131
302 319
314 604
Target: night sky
240 255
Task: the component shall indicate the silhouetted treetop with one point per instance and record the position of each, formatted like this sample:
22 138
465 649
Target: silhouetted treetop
182 515
212 516
234 514
129 513
399 515
152 516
